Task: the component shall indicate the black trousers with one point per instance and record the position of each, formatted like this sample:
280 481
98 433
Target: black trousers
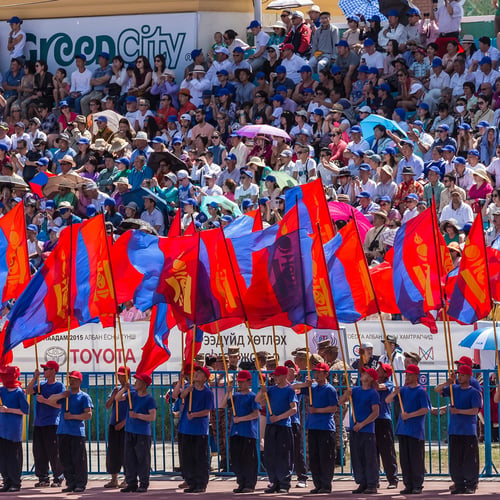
194 461
321 457
45 452
464 461
11 462
364 458
299 462
243 453
278 455
385 448
137 459
412 460
115 455
73 455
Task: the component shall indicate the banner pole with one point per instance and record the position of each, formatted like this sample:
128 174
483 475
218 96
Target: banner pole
219 337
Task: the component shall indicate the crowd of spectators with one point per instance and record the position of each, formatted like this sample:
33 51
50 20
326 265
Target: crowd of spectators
434 92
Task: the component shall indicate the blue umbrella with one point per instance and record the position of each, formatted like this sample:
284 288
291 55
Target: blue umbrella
371 121
482 339
365 8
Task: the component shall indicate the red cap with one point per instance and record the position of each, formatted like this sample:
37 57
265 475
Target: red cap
288 46
280 370
465 370
244 375
387 368
372 372
10 371
321 367
121 370
144 377
203 369
290 364
413 369
76 374
52 365
464 360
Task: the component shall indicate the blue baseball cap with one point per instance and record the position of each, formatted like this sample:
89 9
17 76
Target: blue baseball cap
32 227
158 140
413 12
444 127
464 126
412 196
335 69
364 194
436 62
484 124
270 178
195 53
406 142
246 172
124 161
449 148
83 140
280 69
385 87
14 20
223 72
419 123
389 151
400 112
363 69
375 19
277 97
305 69
91 210
239 50
424 105
319 112
3 147
101 118
223 91
368 42
365 167
83 57
359 154
373 71
63 103
104 55
281 88
387 199
393 12
43 162
206 93
227 218
263 200
190 201
260 75
356 129
172 119
231 156
176 140
254 24
460 160
308 90
435 169
131 98
353 18
342 43
473 152
109 202
50 204
485 60
246 204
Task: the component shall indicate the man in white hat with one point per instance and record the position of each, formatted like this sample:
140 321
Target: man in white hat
196 82
300 35
141 145
222 62
324 39
261 39
140 172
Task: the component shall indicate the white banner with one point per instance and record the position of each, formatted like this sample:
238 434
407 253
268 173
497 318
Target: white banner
92 347
58 40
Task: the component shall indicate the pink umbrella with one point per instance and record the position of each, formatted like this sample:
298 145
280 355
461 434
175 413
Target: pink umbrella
344 211
253 130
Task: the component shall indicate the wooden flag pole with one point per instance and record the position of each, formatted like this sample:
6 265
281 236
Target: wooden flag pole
308 365
276 357
219 337
69 306
36 365
116 363
191 375
361 356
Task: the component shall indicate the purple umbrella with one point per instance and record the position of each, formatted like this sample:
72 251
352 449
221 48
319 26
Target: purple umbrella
253 130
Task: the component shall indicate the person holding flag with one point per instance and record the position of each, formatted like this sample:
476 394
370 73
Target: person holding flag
115 453
193 428
278 439
45 427
320 427
410 430
244 431
13 406
364 411
138 433
71 433
462 431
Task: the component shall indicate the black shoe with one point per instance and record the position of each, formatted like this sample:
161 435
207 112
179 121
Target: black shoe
141 489
3 489
129 488
194 490
79 489
457 491
315 491
55 484
282 490
68 489
247 490
370 491
42 484
416 491
324 490
392 486
469 491
359 489
406 491
271 489
13 489
237 490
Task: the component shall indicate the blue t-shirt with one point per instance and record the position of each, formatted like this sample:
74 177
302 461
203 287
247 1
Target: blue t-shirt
322 396
464 399
295 418
140 404
414 398
122 409
78 403
11 426
244 404
46 414
362 403
280 399
202 400
385 409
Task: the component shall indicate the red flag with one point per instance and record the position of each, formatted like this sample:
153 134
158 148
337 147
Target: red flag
470 300
176 228
190 230
382 282
494 272
257 217
14 263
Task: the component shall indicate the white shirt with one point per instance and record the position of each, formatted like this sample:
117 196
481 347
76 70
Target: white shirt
457 82
398 33
375 60
494 169
449 23
14 138
215 68
479 77
261 40
245 194
292 66
155 218
80 82
493 53
409 214
439 82
463 214
196 87
304 170
122 80
18 50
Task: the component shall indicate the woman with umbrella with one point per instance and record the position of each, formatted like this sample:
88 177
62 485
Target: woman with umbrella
262 148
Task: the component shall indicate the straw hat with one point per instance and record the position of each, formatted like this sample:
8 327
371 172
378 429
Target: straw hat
100 145
117 144
258 162
481 172
455 247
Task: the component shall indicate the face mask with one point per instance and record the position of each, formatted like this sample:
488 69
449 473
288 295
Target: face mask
460 109
275 143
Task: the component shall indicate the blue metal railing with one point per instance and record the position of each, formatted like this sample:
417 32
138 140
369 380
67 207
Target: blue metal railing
164 453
